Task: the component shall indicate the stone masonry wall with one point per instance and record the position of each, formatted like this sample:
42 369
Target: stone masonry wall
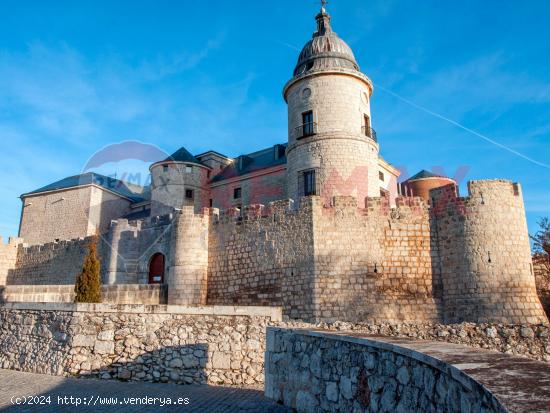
316 372
341 262
188 268
263 257
486 260
61 214
150 294
8 257
182 345
52 263
131 245
375 263
339 151
160 343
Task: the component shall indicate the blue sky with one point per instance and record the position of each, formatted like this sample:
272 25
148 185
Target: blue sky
77 76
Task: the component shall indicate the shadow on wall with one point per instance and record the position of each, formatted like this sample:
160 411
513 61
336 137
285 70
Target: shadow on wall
171 366
52 263
179 364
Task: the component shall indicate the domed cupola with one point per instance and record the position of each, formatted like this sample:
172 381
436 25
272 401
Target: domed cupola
325 50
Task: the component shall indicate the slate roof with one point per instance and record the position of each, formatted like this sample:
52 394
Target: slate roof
425 174
253 162
183 155
117 186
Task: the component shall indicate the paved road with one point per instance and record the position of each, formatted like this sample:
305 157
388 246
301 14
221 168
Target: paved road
92 395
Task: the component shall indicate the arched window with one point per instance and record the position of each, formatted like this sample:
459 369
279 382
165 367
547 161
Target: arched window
156 269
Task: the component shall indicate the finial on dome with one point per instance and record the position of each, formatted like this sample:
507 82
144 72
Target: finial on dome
323 20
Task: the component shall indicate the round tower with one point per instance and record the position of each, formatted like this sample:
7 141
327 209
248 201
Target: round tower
423 182
486 265
179 180
332 148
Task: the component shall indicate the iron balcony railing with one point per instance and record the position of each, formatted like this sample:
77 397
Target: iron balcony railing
306 129
370 132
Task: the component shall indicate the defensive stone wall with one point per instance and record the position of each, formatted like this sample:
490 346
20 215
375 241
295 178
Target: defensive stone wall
8 257
51 263
263 256
187 276
329 263
486 264
218 345
130 246
376 263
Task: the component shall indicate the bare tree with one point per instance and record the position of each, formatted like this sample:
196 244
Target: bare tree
541 243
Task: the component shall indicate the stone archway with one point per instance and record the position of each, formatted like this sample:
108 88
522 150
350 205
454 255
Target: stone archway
156 269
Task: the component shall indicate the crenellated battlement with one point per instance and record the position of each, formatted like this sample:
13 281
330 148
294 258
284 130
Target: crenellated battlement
339 205
56 245
12 241
479 191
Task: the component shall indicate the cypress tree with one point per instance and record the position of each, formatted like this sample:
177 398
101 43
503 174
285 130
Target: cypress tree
88 283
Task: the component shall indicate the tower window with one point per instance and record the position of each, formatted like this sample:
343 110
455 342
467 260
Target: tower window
384 193
237 193
164 168
307 123
381 175
189 193
188 169
367 125
309 183
211 202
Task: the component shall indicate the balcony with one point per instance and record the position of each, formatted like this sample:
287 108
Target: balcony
370 132
305 130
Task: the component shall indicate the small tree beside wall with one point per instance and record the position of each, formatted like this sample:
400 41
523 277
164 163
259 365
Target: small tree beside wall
88 283
541 243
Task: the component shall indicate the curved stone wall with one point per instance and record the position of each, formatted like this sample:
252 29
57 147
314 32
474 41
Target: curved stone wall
487 271
319 372
170 181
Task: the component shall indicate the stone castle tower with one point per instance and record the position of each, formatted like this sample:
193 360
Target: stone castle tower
332 148
310 226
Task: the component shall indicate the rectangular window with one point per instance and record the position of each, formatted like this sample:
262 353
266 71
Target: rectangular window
367 125
211 202
309 183
188 169
237 193
307 123
189 193
165 168
384 193
381 175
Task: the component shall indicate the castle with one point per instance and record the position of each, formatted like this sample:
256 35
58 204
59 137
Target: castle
317 225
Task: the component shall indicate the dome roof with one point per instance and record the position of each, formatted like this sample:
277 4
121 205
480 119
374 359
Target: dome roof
325 50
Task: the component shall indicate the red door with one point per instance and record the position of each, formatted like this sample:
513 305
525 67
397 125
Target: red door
156 269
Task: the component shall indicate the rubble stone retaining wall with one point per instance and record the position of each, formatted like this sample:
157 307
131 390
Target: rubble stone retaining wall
317 372
216 345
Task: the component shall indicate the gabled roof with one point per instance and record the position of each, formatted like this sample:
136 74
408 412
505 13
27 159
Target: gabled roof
425 174
124 189
252 162
182 155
